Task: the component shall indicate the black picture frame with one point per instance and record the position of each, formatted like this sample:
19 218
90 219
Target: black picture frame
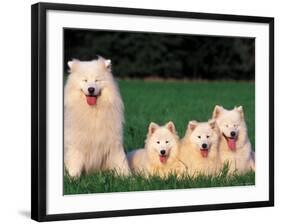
39 115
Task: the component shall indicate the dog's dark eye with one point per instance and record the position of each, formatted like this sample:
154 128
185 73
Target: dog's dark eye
167 142
199 136
158 142
85 80
226 125
208 136
97 80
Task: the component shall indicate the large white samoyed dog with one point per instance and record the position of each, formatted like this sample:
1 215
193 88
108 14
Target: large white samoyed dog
199 149
160 153
235 147
93 118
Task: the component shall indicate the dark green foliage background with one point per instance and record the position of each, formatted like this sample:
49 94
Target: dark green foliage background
139 55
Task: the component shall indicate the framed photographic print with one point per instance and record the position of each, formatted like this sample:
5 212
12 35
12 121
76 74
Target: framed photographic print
139 111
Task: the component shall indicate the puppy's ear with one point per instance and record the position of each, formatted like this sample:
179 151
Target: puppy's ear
217 111
240 110
152 128
192 125
73 65
212 123
171 127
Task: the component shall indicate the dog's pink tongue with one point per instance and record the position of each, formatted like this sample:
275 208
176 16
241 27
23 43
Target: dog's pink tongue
163 159
231 143
91 100
204 153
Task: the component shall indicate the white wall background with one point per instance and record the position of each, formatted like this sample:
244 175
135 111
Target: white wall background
15 109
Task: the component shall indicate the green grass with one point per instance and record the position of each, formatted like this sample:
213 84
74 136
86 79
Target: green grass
179 102
101 182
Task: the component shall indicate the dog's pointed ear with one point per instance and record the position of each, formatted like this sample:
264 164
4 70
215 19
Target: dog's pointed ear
152 128
73 65
217 111
171 127
192 125
212 123
240 110
106 62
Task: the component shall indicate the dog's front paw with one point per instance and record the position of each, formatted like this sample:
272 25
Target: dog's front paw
73 173
124 171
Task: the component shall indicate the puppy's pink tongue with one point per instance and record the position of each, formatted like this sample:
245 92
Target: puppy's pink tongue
163 159
91 100
204 153
231 143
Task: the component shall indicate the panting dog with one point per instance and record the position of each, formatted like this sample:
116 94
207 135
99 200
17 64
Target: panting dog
93 119
235 147
160 153
199 148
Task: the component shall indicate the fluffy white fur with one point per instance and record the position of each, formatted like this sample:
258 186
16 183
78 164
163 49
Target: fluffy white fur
147 161
93 134
241 158
197 134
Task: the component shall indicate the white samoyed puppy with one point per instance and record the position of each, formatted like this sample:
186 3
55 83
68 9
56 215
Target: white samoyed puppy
159 156
235 147
93 119
199 148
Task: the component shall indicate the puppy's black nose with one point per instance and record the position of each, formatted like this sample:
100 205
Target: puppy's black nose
204 145
91 90
233 133
162 152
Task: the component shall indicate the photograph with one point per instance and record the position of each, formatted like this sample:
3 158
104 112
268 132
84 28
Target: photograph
143 111
146 111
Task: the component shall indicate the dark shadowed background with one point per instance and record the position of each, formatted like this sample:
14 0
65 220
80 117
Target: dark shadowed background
140 55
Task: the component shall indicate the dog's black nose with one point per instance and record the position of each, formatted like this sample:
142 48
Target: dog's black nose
91 90
162 152
233 133
204 145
